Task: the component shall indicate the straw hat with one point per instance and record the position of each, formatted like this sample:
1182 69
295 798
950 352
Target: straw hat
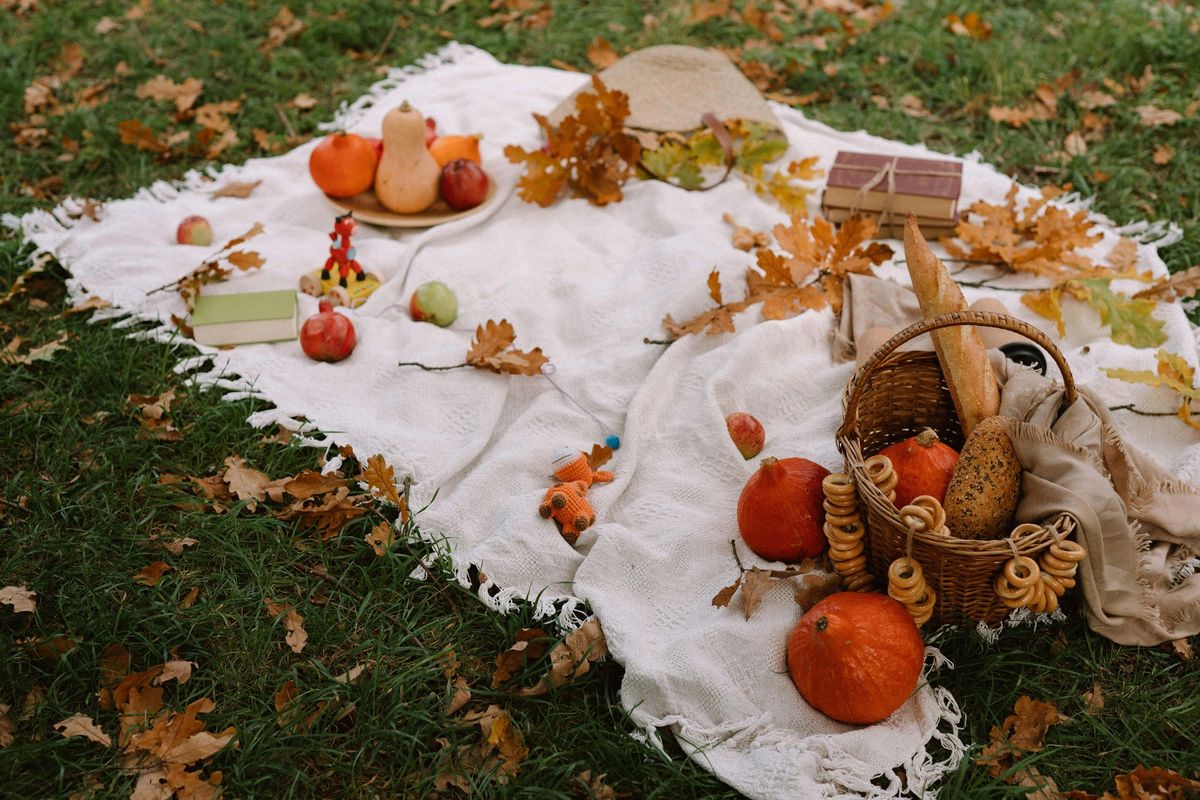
671 86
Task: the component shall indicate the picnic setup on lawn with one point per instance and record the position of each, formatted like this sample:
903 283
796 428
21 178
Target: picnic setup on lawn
757 406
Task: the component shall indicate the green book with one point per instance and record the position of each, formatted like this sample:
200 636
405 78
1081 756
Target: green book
222 319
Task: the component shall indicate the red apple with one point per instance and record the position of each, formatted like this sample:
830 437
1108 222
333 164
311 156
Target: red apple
464 184
194 230
430 130
747 433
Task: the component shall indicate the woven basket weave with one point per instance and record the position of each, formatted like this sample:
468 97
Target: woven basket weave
895 395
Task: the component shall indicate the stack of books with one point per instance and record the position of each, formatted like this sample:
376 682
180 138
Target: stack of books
887 188
225 319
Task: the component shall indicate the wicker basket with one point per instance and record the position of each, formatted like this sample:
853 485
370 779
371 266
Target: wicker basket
895 395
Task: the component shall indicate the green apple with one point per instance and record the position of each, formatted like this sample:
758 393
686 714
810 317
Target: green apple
434 302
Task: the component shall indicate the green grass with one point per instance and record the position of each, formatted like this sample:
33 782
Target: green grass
80 501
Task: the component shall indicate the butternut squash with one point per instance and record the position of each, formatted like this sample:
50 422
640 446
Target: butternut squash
406 180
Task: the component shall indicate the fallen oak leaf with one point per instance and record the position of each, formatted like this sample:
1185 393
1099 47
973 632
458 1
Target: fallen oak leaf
160 87
461 696
529 646
381 538
167 755
85 726
296 637
1178 286
7 726
115 661
91 303
310 483
1021 733
245 259
174 670
175 546
488 351
755 583
601 54
151 574
381 480
571 658
20 598
238 189
723 598
137 133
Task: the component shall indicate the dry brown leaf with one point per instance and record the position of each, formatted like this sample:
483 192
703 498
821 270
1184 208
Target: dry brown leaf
239 189
328 512
1092 99
49 648
91 303
20 598
1154 783
381 480
168 755
744 238
488 351
137 133
595 787
245 483
500 735
245 259
174 670
755 583
1074 144
381 538
1022 733
303 102
175 546
212 116
1163 154
190 598
1093 700
1183 649
297 637
723 598
705 10
529 646
283 27
1176 287
461 696
572 658
813 588
601 54
590 152
969 24
913 106
7 726
309 483
160 87
1152 116
115 661
85 726
151 574
152 407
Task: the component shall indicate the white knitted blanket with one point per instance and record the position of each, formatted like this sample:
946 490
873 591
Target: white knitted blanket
586 284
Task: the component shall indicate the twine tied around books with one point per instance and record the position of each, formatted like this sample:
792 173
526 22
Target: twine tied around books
887 172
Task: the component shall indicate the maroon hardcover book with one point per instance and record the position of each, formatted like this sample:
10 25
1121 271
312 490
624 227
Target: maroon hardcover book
922 186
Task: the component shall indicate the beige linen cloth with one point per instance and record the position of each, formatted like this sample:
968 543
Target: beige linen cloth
1140 526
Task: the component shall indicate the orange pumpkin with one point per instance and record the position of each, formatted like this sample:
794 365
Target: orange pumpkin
780 512
343 164
445 149
923 465
856 657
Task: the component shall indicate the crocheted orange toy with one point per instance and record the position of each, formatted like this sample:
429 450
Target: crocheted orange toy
566 502
572 465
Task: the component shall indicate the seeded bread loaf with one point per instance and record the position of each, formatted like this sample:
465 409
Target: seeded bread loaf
986 484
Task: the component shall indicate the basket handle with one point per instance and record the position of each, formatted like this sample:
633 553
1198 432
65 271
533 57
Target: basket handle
985 319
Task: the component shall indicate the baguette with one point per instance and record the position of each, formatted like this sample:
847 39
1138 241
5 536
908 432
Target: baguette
960 349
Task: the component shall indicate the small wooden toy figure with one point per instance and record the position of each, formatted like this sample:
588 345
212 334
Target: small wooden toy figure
341 290
341 252
566 501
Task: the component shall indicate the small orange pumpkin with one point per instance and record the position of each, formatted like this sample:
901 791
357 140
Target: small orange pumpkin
780 512
856 657
445 149
923 465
